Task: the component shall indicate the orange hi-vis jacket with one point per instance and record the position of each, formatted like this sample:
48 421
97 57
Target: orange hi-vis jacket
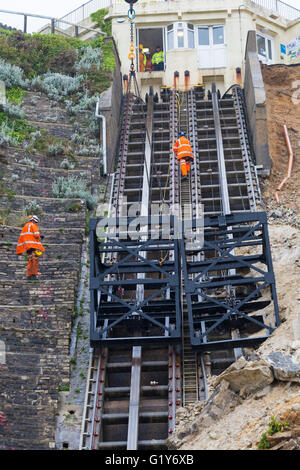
29 238
182 148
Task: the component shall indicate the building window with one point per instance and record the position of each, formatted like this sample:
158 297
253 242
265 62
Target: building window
191 36
218 35
170 37
203 36
210 35
180 35
264 48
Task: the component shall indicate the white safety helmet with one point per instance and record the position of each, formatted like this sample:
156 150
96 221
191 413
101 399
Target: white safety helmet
34 218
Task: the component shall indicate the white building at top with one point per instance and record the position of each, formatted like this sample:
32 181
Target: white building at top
206 38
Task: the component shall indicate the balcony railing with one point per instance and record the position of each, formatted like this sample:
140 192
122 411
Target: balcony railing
84 11
279 7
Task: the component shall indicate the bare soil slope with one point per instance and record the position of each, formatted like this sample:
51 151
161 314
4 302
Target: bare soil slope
282 85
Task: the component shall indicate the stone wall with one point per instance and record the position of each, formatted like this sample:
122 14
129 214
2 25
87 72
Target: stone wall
36 317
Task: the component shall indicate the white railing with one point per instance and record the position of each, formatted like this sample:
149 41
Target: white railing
282 8
85 10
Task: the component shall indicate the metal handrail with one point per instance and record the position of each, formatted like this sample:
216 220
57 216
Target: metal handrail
53 21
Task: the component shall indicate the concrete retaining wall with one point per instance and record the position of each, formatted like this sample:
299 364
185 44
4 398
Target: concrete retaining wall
256 105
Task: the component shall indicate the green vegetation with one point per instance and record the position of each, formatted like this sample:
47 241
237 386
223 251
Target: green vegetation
274 427
38 53
75 207
18 130
4 191
41 54
15 94
73 187
63 388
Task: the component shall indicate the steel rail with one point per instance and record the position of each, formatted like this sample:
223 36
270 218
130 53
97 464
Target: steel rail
246 155
220 152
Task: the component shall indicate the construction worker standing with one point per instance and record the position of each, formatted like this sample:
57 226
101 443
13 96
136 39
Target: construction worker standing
142 59
158 59
30 242
183 150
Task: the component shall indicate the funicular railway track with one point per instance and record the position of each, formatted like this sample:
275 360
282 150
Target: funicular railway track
155 339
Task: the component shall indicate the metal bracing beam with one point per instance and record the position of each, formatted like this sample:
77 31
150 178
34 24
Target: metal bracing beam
249 229
152 277
134 403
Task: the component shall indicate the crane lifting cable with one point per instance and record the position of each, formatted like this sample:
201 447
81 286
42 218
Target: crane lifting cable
131 55
132 78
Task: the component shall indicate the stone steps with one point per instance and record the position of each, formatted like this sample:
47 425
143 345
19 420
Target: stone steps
54 317
43 177
56 221
16 270
54 205
64 252
14 155
57 236
38 107
11 157
37 292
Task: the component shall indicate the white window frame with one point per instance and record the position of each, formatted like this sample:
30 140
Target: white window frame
266 59
211 48
210 28
175 27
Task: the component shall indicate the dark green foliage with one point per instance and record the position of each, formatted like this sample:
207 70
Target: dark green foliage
38 53
103 25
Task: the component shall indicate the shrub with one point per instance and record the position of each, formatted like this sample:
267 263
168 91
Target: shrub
67 165
14 131
91 56
38 53
56 85
54 150
15 94
33 208
90 151
73 187
13 110
6 136
85 103
11 75
29 162
274 427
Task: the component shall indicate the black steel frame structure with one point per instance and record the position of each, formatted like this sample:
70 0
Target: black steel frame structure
228 267
117 314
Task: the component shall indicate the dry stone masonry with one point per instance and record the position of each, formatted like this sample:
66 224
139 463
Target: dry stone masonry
36 316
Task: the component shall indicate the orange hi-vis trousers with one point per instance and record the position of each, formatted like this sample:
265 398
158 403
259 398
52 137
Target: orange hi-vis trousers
185 166
33 263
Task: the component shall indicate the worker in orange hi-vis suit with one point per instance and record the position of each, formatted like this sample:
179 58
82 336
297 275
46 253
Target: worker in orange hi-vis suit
30 242
142 59
183 150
